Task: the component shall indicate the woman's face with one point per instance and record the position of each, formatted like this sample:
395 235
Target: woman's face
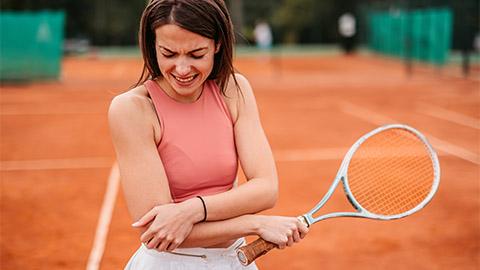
185 60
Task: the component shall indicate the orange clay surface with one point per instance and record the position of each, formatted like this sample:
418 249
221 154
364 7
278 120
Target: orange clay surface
56 156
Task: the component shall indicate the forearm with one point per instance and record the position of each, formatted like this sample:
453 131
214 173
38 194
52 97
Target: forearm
207 234
256 195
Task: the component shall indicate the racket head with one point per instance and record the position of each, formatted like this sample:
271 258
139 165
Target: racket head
389 173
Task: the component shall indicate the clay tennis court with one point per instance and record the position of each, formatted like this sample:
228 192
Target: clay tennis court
61 208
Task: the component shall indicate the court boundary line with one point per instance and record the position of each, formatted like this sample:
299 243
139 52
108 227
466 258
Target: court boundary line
447 115
380 119
55 164
311 154
104 220
46 113
287 155
72 108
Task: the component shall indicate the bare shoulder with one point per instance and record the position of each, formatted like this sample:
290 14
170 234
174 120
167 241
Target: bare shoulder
132 108
243 89
233 95
239 97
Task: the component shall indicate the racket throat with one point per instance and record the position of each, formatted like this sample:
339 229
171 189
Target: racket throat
304 220
340 214
321 213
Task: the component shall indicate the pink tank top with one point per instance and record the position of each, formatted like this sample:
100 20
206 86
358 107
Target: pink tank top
197 146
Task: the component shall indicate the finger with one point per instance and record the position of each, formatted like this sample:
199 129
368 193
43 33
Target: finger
173 245
282 243
290 241
163 245
153 243
145 219
303 231
146 236
146 242
296 236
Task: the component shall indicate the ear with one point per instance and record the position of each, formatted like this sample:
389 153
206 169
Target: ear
217 47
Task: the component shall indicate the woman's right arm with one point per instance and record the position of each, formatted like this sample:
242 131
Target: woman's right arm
141 170
144 181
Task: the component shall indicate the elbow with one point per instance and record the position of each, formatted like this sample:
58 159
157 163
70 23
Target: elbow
272 201
264 195
272 197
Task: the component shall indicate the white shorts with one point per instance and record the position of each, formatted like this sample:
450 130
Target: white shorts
189 259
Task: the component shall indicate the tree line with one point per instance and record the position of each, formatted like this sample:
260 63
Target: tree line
115 22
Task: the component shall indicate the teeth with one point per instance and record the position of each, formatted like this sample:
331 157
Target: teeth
184 80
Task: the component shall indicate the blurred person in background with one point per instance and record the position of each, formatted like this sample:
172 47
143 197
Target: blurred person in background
179 136
347 29
263 35
476 43
263 40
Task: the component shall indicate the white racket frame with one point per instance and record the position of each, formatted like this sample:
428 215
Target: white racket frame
342 176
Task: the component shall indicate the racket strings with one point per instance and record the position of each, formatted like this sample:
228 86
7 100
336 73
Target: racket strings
391 172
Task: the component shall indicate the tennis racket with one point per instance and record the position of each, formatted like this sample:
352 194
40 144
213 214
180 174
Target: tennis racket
389 173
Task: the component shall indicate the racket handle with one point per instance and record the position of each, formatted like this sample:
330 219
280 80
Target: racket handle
247 254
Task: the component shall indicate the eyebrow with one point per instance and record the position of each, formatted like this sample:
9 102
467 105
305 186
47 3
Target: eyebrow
192 51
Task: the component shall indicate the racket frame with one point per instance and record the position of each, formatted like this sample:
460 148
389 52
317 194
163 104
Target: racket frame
342 177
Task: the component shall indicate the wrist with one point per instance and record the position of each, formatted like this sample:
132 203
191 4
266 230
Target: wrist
194 208
204 208
254 224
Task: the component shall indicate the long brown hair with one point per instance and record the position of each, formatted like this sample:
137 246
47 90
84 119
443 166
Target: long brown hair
208 18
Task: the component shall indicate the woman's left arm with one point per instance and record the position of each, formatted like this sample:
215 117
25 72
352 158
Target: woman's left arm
229 210
260 192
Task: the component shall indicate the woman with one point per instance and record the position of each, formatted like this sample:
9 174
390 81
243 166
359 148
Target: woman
179 135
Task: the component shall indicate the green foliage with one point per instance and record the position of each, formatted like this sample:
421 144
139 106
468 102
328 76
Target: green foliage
255 10
294 16
115 22
297 21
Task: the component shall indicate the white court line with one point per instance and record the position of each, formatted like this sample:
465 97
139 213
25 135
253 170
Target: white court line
310 154
55 164
104 219
46 112
448 115
108 202
60 108
379 119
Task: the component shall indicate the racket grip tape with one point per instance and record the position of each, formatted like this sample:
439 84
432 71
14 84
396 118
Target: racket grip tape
247 254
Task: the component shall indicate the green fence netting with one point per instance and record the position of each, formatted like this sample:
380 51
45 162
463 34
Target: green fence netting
424 35
31 45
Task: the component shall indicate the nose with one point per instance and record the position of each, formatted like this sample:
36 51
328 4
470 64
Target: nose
182 67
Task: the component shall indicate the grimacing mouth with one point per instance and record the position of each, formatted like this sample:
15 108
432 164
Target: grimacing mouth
185 79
